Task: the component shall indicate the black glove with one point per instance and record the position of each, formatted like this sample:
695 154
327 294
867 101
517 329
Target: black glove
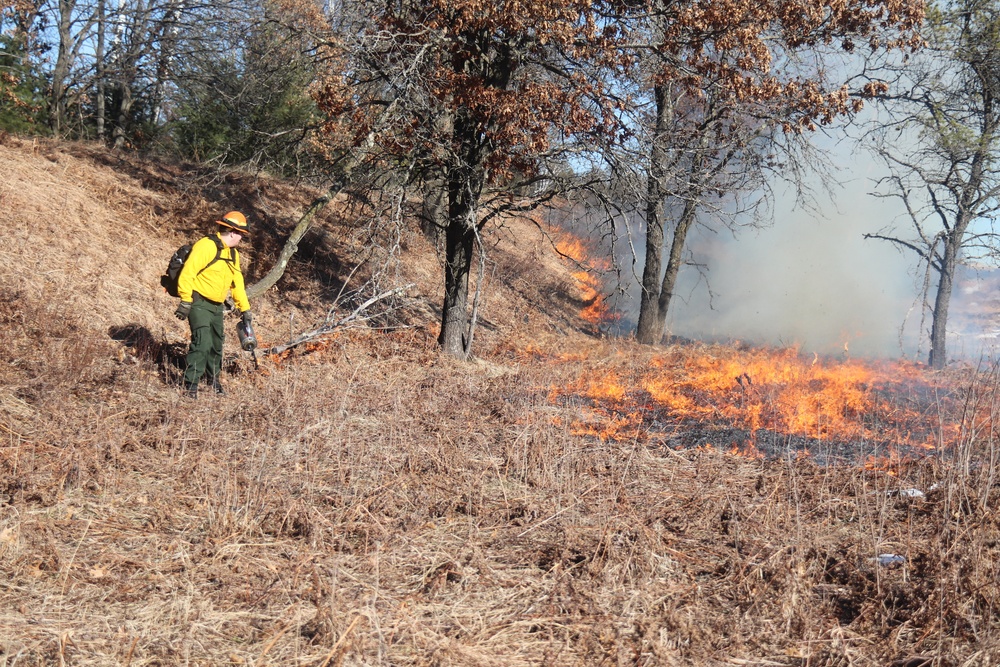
183 310
247 318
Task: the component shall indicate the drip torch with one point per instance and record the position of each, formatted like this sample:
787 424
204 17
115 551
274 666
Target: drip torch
248 340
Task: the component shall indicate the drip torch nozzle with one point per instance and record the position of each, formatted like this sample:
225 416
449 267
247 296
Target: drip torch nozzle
248 341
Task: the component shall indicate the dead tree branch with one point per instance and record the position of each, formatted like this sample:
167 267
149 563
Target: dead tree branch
357 316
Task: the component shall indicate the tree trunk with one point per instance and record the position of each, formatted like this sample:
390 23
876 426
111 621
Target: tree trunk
292 244
60 71
169 31
939 321
99 59
674 261
124 103
655 301
460 240
942 300
433 214
347 167
649 329
465 183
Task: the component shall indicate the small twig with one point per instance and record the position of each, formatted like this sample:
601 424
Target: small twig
379 297
72 558
131 649
11 431
278 635
340 642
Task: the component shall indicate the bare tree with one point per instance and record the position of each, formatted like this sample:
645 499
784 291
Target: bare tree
145 35
732 86
74 22
700 165
940 143
158 49
99 84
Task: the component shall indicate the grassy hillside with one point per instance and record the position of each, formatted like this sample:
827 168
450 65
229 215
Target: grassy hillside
363 501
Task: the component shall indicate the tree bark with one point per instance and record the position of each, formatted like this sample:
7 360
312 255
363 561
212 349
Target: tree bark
655 301
953 241
99 60
122 112
465 182
292 244
649 329
60 71
674 261
939 320
459 245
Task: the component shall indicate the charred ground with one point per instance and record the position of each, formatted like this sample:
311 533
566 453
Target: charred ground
362 501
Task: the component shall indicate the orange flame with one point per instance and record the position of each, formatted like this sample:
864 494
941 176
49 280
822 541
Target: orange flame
587 279
748 450
752 390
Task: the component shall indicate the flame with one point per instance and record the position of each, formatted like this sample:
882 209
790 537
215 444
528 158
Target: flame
755 390
747 450
890 464
586 278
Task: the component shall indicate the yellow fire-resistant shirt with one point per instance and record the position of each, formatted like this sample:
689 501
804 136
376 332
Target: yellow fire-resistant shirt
215 281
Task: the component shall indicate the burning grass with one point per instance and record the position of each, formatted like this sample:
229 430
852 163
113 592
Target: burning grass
365 502
587 272
750 396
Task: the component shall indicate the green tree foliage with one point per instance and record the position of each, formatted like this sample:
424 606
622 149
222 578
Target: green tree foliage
22 88
22 81
248 104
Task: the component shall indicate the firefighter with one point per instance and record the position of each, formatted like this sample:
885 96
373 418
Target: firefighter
211 271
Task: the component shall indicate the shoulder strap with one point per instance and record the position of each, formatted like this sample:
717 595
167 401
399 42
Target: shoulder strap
218 253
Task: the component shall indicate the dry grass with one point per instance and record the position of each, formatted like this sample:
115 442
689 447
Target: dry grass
369 503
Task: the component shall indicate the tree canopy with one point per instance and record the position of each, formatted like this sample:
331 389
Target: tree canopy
483 108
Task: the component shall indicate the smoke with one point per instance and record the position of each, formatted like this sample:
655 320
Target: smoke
809 280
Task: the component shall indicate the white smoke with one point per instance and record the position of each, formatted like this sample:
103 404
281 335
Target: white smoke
810 280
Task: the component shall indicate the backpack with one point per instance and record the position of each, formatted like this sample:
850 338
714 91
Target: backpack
169 279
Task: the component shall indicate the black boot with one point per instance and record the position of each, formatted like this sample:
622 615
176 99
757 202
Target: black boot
191 389
217 386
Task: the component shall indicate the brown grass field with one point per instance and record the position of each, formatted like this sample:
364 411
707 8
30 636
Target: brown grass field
564 499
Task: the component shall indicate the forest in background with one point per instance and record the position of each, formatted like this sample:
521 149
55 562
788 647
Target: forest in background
654 120
649 121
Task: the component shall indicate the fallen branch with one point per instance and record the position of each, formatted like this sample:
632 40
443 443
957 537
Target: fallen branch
356 316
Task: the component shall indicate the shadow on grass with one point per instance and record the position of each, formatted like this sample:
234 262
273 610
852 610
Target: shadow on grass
168 357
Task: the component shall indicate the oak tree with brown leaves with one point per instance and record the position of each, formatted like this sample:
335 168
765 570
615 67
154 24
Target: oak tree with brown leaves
486 105
476 98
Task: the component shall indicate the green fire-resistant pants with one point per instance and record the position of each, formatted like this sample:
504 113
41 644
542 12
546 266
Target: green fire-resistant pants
205 354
